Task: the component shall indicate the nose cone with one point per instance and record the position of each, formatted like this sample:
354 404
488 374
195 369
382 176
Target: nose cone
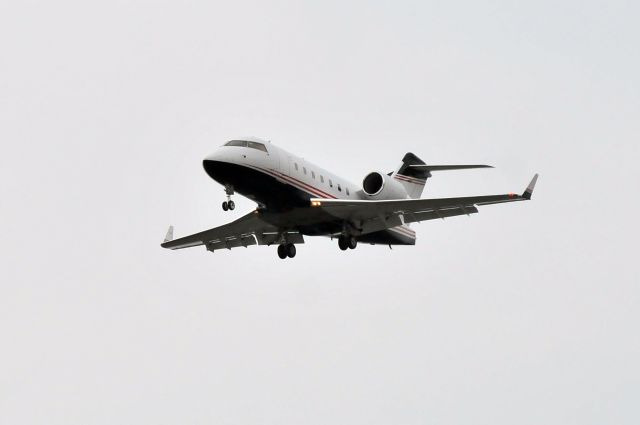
217 155
218 164
211 164
210 168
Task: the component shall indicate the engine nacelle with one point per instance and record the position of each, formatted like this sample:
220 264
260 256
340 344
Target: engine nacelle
381 186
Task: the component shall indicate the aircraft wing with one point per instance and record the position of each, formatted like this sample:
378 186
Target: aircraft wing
247 230
371 216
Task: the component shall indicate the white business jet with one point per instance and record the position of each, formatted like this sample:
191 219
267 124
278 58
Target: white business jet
297 198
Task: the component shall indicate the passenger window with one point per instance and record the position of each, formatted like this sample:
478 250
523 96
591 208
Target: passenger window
296 165
259 146
304 170
330 183
347 189
339 188
321 178
313 175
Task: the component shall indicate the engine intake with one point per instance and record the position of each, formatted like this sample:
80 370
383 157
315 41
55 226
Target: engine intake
373 183
381 186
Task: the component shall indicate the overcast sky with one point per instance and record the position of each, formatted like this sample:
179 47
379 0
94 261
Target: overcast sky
525 313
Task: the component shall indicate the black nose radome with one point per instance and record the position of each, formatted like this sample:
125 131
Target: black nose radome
220 171
212 168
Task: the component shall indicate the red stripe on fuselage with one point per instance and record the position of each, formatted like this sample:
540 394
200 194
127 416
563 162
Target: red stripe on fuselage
301 185
409 179
418 179
313 188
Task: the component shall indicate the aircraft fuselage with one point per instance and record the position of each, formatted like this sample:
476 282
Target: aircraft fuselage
283 185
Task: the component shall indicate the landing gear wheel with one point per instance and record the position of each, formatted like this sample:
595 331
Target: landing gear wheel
352 242
225 206
291 250
282 251
343 244
231 205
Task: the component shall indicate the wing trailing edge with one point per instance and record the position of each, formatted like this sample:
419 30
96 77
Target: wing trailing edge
429 168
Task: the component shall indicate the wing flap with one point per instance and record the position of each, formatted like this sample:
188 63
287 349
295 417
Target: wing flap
442 214
231 242
382 222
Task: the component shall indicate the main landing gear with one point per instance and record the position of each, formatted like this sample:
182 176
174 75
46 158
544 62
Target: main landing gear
347 242
286 250
228 204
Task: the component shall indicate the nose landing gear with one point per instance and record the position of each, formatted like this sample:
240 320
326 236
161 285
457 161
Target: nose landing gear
228 204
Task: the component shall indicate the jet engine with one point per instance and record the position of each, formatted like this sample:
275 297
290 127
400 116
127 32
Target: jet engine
381 186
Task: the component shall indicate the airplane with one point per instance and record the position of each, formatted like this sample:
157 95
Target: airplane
297 198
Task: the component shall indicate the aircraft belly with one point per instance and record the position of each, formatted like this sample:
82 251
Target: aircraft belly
263 188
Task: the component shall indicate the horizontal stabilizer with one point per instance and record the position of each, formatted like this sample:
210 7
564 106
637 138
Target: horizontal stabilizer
430 168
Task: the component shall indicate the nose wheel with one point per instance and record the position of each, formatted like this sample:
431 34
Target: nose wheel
228 204
286 250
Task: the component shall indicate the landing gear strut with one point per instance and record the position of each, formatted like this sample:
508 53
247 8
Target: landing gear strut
347 242
228 204
286 250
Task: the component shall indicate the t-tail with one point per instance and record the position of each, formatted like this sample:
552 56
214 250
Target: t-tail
413 173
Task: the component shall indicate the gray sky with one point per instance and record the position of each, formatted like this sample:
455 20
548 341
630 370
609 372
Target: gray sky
525 313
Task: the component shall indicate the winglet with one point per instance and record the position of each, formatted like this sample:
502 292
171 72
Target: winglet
169 236
529 191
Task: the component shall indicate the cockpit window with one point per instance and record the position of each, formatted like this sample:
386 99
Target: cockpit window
245 144
259 146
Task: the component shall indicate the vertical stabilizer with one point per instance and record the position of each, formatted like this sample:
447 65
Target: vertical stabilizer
412 178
